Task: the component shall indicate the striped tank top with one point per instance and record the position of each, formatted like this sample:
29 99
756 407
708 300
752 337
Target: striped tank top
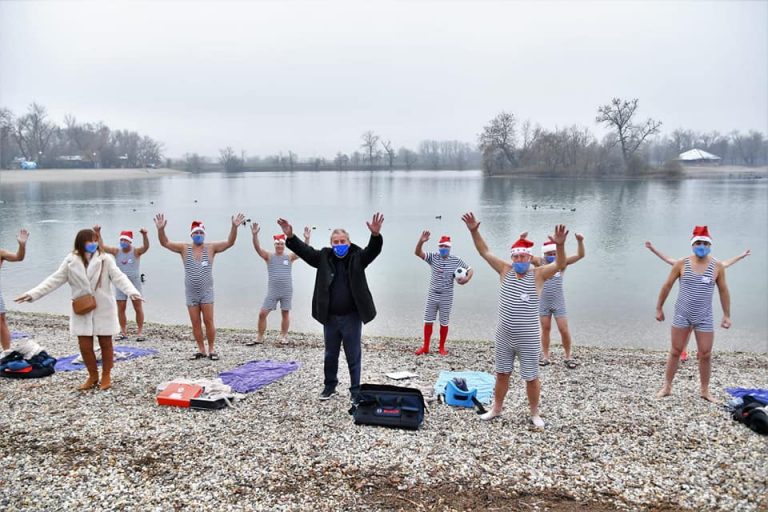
279 272
519 304
128 262
694 299
198 275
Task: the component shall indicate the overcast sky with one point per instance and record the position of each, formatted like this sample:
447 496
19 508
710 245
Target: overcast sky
312 76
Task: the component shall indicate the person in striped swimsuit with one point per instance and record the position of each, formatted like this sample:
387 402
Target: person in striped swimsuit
698 275
197 258
280 284
5 334
671 261
440 296
553 302
518 327
127 259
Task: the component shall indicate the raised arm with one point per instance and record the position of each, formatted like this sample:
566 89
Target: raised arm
104 247
161 222
725 296
256 245
580 252
561 260
20 252
660 254
223 245
473 225
307 236
299 248
376 242
736 259
144 242
674 274
419 252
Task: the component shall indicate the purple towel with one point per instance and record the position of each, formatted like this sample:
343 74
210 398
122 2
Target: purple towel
65 364
15 335
760 394
257 374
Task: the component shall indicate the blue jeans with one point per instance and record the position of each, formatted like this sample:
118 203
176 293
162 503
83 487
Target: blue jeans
343 330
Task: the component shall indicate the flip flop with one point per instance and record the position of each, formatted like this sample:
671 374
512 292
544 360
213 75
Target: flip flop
570 364
214 356
544 362
141 338
197 356
121 337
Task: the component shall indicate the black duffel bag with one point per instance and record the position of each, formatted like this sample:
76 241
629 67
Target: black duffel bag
389 406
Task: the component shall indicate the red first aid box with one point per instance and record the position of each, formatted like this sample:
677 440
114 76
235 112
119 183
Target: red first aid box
178 394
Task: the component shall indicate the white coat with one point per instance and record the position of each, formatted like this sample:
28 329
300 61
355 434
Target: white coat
102 321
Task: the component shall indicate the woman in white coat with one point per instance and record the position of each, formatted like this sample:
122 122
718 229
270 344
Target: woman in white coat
90 271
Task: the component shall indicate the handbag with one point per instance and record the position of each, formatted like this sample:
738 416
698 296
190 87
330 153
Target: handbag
389 406
87 303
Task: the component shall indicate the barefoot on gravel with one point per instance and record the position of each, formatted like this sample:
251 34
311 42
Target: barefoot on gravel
664 391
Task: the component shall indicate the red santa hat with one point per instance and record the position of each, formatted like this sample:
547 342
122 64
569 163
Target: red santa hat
548 246
445 241
522 246
127 236
700 234
279 238
197 225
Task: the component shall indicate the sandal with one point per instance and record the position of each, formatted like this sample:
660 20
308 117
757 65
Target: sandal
544 362
141 338
570 364
121 337
214 356
199 355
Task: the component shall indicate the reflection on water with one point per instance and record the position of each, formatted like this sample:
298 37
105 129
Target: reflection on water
611 294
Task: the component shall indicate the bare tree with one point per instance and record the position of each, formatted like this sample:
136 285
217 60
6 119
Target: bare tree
229 159
292 159
498 140
6 141
408 157
390 152
33 132
619 115
340 161
749 146
194 162
370 140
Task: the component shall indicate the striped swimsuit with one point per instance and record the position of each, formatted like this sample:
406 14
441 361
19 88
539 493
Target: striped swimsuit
198 279
694 299
552 298
280 286
128 262
518 330
440 297
2 303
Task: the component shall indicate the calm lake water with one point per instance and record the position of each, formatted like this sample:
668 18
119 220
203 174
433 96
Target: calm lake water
610 295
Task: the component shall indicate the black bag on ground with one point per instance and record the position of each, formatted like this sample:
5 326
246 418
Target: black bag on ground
389 406
753 414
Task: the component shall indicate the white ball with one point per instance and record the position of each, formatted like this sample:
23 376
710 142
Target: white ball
460 272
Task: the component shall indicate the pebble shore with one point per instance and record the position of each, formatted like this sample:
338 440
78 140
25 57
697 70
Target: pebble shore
608 444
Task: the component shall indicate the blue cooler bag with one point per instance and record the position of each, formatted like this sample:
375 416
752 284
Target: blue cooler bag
389 406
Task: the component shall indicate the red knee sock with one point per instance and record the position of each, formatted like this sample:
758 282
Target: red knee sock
443 337
427 337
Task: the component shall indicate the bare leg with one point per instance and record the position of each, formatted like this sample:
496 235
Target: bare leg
284 323
262 325
107 361
546 328
89 359
499 393
704 342
565 335
533 391
210 329
121 316
5 334
673 359
138 307
197 327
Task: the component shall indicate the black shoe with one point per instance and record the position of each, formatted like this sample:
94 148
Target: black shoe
327 393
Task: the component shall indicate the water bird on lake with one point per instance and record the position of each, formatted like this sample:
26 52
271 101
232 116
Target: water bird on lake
438 216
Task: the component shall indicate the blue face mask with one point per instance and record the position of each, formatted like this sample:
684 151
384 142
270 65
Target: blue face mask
701 250
549 259
444 251
521 268
341 250
198 239
91 247
125 245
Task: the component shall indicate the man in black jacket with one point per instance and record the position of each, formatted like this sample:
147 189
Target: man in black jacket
342 301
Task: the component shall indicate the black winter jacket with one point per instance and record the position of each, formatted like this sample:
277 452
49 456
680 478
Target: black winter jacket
322 260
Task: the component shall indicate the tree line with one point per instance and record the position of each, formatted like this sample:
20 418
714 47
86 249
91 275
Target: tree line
34 137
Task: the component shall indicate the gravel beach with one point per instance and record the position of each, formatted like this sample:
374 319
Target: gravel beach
608 445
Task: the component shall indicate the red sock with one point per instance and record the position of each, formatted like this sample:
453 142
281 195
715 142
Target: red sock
443 337
427 338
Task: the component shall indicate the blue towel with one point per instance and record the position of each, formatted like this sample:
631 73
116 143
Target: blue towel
483 382
257 374
760 394
65 364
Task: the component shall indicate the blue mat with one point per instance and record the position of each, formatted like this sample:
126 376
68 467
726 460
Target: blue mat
760 394
484 382
65 364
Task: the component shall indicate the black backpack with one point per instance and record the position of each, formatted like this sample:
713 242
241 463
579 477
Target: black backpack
753 414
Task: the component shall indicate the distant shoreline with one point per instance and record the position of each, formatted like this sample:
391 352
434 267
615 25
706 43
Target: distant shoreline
65 175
